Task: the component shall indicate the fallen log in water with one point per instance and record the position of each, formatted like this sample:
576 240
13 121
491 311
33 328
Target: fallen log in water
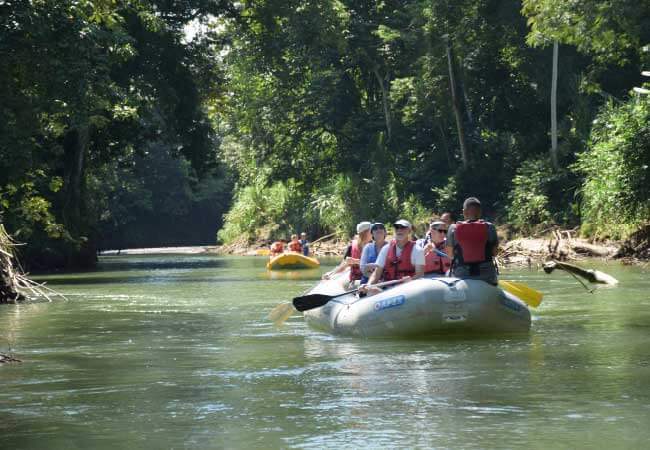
591 275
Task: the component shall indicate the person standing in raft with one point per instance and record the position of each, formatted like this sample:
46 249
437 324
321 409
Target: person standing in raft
304 243
371 250
294 245
436 240
352 257
472 245
402 259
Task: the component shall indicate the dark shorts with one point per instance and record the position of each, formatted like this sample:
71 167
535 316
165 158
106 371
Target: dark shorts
483 271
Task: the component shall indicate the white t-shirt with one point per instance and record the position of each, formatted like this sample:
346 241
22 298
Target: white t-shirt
417 255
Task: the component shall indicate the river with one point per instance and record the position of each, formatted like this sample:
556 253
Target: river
176 352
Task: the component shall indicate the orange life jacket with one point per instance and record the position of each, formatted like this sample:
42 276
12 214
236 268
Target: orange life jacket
295 247
355 270
434 263
472 241
277 247
396 268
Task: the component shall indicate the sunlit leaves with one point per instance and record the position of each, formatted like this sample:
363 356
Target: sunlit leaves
610 31
616 192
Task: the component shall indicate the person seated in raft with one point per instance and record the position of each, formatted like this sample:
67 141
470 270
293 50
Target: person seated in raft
352 256
277 248
399 260
472 245
294 245
435 240
304 243
447 218
371 250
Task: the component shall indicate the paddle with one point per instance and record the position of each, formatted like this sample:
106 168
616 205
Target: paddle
525 293
312 301
281 313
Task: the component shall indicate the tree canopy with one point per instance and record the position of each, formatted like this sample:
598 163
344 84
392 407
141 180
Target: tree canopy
129 122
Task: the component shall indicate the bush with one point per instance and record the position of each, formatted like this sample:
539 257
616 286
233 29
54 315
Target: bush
616 190
528 202
272 211
334 205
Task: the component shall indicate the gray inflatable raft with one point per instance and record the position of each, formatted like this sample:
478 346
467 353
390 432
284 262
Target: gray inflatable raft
422 307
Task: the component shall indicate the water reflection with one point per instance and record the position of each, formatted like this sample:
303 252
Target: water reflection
305 274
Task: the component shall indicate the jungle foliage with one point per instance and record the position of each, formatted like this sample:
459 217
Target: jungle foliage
135 122
348 104
87 89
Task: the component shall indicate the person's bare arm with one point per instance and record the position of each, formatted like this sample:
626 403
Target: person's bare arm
340 268
350 261
376 275
450 252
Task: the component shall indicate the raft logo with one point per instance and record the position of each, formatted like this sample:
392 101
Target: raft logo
390 302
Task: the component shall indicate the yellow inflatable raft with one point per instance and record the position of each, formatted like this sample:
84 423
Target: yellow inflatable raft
291 260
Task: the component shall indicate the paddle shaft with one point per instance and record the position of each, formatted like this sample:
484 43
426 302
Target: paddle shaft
312 301
382 284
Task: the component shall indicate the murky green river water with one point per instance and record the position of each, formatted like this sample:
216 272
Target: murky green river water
164 352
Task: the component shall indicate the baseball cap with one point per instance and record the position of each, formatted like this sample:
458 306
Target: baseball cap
403 223
377 225
437 224
363 226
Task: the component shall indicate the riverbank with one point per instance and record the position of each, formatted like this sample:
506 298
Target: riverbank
562 245
188 250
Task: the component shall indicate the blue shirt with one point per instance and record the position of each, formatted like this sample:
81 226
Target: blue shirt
368 256
305 246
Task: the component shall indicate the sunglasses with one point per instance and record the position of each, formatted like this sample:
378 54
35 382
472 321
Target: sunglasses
441 230
399 227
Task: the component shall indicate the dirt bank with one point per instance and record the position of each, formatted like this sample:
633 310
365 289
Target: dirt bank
561 245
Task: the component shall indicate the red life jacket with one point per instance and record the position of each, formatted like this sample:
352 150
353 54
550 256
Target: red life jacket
295 247
434 263
355 270
472 239
396 268
277 247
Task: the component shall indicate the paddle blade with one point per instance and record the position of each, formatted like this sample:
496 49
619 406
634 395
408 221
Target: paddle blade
311 301
527 294
281 313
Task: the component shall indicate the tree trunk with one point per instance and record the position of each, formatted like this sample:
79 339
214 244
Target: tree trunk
457 111
384 99
554 108
75 143
443 140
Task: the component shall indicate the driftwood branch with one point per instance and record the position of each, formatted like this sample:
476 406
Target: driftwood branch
15 286
591 275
